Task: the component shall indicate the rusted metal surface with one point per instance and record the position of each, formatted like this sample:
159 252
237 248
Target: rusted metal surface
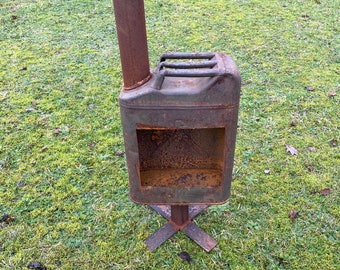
207 68
180 215
165 210
179 132
131 31
200 236
160 236
180 137
180 219
178 159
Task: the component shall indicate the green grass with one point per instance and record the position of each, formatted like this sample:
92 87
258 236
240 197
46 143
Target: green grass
67 193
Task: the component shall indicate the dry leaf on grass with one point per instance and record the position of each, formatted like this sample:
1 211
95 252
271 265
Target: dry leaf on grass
291 149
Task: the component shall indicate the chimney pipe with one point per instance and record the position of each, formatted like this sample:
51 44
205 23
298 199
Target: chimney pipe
131 31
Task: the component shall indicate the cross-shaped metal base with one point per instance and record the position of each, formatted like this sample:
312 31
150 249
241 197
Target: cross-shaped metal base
180 219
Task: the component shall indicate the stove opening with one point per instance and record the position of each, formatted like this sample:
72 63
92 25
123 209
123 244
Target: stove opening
181 158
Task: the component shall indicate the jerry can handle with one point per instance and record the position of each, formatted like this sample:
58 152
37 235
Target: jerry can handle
205 68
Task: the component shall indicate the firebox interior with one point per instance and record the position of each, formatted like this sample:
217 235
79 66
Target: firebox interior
181 158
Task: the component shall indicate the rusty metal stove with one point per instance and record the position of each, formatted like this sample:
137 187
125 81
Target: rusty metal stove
179 123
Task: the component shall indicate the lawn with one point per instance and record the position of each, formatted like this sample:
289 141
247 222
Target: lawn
63 177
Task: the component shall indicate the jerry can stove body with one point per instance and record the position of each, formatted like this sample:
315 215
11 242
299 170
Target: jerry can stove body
179 132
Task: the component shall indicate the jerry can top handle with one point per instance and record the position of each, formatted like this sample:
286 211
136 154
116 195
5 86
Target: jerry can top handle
205 68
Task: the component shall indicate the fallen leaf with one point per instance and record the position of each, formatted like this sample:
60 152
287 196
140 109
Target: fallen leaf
36 266
332 94
56 132
310 168
119 153
304 17
21 185
310 88
30 109
311 149
291 150
325 191
184 256
293 214
334 142
14 17
6 218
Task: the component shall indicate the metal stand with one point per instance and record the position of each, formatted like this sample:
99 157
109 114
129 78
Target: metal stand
180 219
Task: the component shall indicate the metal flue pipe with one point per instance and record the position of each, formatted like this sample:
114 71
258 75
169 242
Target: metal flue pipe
131 31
